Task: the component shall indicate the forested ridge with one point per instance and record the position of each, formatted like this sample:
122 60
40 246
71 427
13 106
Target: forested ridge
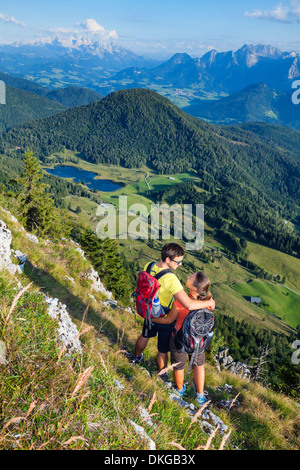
238 208
24 106
136 127
250 175
232 202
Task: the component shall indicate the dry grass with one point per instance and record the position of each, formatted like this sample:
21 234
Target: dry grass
51 401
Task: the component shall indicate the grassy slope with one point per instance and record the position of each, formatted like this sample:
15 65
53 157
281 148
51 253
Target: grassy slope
140 126
47 402
276 262
223 273
277 299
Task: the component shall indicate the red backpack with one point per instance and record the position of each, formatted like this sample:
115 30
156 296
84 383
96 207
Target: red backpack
146 289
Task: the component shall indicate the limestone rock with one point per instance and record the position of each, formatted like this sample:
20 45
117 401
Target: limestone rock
32 238
5 251
3 360
21 257
144 414
67 330
207 419
222 359
97 285
143 435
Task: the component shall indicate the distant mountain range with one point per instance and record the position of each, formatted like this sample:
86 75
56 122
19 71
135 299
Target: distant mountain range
60 62
136 127
80 62
27 101
221 72
250 84
255 102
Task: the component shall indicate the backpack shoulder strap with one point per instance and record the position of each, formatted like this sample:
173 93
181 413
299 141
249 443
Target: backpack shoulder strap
162 273
149 267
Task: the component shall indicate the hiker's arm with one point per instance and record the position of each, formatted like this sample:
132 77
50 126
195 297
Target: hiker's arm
170 318
191 304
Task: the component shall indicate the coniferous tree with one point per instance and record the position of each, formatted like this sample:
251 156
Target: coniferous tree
106 260
35 206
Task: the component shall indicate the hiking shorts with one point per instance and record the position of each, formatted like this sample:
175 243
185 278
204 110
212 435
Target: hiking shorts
180 357
163 333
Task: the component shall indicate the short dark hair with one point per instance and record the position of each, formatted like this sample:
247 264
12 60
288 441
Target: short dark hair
202 284
171 250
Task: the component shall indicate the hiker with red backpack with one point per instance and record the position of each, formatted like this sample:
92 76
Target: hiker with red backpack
157 288
191 336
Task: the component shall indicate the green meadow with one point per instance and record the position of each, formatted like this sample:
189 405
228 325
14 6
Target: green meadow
276 262
230 281
275 298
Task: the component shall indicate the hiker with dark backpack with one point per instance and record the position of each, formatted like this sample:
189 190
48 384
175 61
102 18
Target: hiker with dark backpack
170 288
191 336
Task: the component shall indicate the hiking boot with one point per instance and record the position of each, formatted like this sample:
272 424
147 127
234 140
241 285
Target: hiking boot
164 377
137 359
200 398
182 391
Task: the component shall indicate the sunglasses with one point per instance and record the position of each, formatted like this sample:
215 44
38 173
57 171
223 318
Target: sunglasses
177 262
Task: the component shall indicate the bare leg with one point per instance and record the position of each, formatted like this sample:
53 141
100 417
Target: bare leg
140 345
162 360
199 377
179 378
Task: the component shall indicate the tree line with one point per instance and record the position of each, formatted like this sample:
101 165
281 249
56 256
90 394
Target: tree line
132 128
34 206
236 209
244 341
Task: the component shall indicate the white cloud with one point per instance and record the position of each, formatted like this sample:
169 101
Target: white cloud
11 19
295 10
85 32
281 13
92 26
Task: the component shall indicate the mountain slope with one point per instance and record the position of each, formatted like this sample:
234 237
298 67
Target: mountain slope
27 101
136 127
84 401
220 72
281 136
73 96
24 106
253 103
256 102
23 84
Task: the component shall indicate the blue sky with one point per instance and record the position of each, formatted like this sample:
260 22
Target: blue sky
157 28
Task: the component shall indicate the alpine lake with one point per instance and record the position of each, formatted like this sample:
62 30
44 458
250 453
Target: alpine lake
86 177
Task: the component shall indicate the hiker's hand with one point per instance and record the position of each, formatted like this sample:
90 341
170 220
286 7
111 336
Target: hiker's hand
212 304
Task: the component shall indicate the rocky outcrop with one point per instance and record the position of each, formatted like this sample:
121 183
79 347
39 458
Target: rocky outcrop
5 251
21 257
67 333
90 273
207 419
3 360
97 285
33 238
143 436
222 359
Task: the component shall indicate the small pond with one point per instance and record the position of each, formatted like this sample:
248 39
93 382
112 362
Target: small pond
88 177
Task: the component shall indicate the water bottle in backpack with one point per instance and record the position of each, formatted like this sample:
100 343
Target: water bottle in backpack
156 310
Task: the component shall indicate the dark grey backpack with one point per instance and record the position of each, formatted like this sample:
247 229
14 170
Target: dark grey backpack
195 333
